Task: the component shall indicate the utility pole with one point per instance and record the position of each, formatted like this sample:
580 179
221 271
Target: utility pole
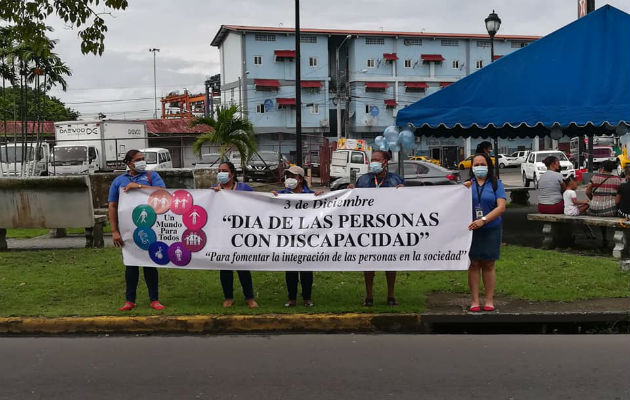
298 88
206 108
154 83
338 84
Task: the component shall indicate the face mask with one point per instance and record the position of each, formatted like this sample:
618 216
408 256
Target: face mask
376 167
290 183
223 177
480 171
140 166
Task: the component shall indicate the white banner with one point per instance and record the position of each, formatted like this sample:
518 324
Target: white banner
348 230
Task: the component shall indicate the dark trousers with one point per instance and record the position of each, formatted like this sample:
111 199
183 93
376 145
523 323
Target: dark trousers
132 275
227 283
306 278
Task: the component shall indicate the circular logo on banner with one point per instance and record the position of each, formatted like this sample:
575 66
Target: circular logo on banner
195 218
143 215
158 251
182 202
193 240
144 237
178 254
160 200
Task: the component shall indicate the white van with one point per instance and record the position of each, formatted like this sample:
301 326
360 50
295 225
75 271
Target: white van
345 162
157 158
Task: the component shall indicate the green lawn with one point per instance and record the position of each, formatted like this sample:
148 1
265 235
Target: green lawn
91 282
28 233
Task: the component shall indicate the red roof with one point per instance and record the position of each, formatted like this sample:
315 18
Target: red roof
285 53
311 84
31 127
497 56
376 85
285 101
432 57
174 126
416 85
390 56
220 35
445 84
390 103
267 82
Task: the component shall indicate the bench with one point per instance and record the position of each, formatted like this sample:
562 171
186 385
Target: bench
519 194
50 202
555 236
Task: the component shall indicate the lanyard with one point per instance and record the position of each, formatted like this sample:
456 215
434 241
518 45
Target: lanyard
378 185
479 192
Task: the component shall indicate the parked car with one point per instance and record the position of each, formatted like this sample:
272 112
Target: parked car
208 160
417 173
425 158
465 163
508 161
157 158
267 166
345 162
533 168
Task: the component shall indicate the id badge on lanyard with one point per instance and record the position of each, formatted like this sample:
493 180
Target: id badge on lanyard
478 209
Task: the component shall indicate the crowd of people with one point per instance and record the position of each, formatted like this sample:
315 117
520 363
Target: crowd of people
488 204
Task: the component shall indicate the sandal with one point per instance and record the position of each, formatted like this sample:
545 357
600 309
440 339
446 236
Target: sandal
391 301
290 303
368 302
308 303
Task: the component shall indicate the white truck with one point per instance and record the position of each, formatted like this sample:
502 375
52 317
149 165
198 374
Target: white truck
351 157
533 168
86 147
24 159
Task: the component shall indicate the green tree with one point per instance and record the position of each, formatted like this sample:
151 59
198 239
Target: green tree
40 106
230 132
29 17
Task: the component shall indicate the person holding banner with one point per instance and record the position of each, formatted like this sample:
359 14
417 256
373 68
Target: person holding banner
226 176
136 177
488 203
294 182
379 177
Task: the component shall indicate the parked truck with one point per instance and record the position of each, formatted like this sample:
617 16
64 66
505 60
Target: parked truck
24 159
86 147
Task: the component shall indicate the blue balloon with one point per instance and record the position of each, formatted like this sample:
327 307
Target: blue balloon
394 147
391 134
406 139
378 141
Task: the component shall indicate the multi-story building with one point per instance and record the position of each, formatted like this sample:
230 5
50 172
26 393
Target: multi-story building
379 73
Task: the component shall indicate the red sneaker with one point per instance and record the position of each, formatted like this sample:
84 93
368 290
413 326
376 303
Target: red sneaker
156 305
127 306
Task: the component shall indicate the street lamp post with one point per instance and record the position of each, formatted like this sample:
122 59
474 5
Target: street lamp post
298 88
154 84
493 23
337 80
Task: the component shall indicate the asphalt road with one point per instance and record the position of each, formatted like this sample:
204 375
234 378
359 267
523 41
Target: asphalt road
317 367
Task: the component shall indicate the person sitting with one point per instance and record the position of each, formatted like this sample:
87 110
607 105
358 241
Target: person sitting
602 191
623 196
572 206
550 188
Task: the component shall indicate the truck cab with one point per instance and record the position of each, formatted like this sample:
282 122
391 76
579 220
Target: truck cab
77 159
24 159
157 158
352 156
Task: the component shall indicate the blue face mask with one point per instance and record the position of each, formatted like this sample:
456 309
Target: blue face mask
480 171
223 177
376 167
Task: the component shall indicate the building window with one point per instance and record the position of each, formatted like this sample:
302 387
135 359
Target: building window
408 63
308 39
483 43
257 60
412 42
265 37
260 108
479 64
450 42
455 64
371 63
367 108
312 61
374 40
518 45
315 109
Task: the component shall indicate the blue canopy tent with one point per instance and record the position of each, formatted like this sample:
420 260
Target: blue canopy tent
576 79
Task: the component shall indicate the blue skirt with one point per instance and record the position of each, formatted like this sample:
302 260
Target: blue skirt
486 244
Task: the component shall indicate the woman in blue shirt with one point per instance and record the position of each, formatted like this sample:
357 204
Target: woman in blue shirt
488 204
294 183
379 177
136 177
226 176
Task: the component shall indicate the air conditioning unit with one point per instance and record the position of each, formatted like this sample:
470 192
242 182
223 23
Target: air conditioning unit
323 123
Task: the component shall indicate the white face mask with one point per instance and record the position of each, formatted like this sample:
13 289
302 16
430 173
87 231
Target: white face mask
290 183
140 166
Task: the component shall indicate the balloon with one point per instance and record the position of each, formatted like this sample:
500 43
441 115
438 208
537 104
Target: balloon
378 141
391 134
394 147
406 139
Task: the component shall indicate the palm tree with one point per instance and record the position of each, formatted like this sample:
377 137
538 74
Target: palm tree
230 132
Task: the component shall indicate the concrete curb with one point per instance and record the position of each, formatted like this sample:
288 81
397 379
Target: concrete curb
320 323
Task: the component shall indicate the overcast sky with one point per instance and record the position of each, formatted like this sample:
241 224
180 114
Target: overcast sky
183 29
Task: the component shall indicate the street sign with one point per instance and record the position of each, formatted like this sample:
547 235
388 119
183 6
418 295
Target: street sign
373 111
268 105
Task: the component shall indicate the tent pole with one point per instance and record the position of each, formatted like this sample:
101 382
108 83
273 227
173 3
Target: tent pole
496 155
590 151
